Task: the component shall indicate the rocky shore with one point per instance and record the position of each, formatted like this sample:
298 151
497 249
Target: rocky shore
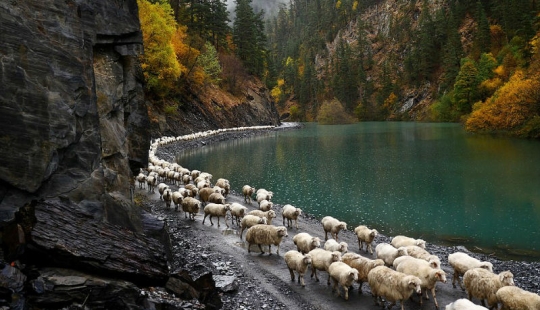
262 281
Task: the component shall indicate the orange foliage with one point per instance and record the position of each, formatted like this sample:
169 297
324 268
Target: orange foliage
509 108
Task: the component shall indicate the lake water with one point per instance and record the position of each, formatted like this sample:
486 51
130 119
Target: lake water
426 180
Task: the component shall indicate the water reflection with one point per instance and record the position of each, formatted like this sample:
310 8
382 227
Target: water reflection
426 180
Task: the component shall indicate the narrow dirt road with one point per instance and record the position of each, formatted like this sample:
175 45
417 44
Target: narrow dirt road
264 280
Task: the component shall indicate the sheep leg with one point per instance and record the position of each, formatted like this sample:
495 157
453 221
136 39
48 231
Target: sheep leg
434 297
296 222
368 246
301 279
225 220
328 282
260 248
292 274
212 223
218 222
454 279
346 290
335 287
325 235
359 245
204 219
314 272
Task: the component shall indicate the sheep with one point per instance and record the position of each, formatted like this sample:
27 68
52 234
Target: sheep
418 252
202 184
177 198
344 275
321 260
186 178
333 226
388 253
464 304
399 241
266 235
365 235
195 174
298 262
204 194
167 197
216 198
218 189
192 206
429 276
161 188
263 194
461 262
270 215
218 210
251 220
484 284
248 192
305 242
332 245
224 183
141 179
515 298
237 212
151 181
392 285
265 205
290 213
362 264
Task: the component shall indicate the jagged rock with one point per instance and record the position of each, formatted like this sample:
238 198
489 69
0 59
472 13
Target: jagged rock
226 283
202 287
66 236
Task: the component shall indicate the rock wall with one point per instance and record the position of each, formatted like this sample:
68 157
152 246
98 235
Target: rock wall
72 111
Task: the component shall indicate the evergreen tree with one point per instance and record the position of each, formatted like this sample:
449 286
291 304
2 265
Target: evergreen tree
466 87
249 37
483 35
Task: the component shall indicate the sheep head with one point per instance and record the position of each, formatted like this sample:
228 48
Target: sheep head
353 274
282 231
373 233
342 225
315 242
434 261
343 247
506 278
298 211
376 263
421 243
272 214
487 266
414 284
402 251
441 275
336 256
307 259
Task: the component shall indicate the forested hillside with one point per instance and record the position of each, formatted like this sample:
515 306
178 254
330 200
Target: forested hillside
444 60
347 60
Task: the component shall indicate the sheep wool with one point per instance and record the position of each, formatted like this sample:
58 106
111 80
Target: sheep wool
464 304
514 298
362 264
289 214
250 220
333 226
265 235
190 206
321 260
484 284
365 235
332 245
269 215
298 262
343 275
248 191
429 276
217 210
461 262
388 253
399 241
418 252
237 212
305 242
392 285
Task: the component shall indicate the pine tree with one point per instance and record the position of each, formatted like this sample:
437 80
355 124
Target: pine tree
466 87
249 37
483 35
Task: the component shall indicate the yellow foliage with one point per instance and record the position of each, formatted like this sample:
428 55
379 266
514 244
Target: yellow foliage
280 82
355 5
332 112
276 93
500 71
510 107
338 4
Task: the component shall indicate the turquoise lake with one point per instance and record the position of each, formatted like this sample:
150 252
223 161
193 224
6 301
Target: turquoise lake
425 180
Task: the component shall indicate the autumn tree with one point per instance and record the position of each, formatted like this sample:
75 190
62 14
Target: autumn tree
332 113
159 63
466 86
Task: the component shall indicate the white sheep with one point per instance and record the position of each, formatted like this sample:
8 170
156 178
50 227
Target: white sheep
388 253
218 210
332 245
263 194
248 191
289 214
216 198
418 252
484 284
151 181
362 264
192 206
186 178
365 235
237 212
461 262
224 183
515 298
167 197
161 189
177 198
265 205
298 262
266 235
343 275
400 240
428 275
204 194
321 260
270 215
333 226
249 221
464 304
392 285
141 179
305 242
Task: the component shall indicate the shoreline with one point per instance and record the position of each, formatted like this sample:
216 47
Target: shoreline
525 273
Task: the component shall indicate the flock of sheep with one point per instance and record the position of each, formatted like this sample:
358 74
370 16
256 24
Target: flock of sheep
400 269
